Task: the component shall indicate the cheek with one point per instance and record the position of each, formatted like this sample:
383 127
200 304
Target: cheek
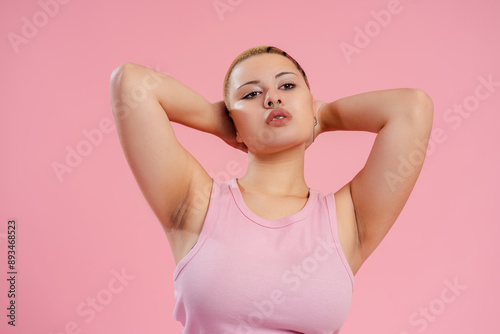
243 123
307 108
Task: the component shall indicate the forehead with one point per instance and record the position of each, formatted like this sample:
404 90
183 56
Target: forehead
259 67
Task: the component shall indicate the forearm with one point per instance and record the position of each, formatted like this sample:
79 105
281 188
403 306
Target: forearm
370 111
135 83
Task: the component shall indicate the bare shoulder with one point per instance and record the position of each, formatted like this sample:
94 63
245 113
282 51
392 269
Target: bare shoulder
190 215
347 227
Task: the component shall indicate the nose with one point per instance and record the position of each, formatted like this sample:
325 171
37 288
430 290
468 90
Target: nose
273 105
273 100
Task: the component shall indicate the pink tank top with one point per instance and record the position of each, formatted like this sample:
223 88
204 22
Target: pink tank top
249 275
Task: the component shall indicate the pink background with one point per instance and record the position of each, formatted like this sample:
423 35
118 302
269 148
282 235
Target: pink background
76 230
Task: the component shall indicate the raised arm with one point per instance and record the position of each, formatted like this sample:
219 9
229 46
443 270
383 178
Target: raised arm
144 102
402 119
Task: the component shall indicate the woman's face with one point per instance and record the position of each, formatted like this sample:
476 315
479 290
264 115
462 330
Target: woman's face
254 84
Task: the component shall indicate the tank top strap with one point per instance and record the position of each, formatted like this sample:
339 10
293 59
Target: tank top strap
332 213
207 226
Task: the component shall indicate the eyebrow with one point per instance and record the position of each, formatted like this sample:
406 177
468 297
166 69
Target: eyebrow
258 81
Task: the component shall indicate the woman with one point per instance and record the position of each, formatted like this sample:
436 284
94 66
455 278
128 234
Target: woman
265 253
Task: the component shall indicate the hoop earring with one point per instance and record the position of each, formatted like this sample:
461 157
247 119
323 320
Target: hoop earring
314 127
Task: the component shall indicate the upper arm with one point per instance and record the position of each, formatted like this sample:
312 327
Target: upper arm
381 189
163 169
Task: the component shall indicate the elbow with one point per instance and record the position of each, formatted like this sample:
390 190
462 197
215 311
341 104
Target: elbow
120 80
421 112
119 74
419 108
422 104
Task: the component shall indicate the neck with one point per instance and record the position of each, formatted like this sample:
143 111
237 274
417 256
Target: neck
276 174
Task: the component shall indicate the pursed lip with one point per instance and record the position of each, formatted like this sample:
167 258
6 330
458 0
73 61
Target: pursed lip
278 112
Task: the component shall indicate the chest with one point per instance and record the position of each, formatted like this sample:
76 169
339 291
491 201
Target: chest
277 280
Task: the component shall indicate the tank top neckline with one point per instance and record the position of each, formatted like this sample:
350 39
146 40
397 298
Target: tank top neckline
285 221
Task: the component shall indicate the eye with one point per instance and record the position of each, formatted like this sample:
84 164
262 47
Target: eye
251 95
288 86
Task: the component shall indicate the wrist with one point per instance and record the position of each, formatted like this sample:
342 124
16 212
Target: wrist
220 118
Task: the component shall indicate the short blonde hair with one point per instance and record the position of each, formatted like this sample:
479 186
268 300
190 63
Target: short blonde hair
256 50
